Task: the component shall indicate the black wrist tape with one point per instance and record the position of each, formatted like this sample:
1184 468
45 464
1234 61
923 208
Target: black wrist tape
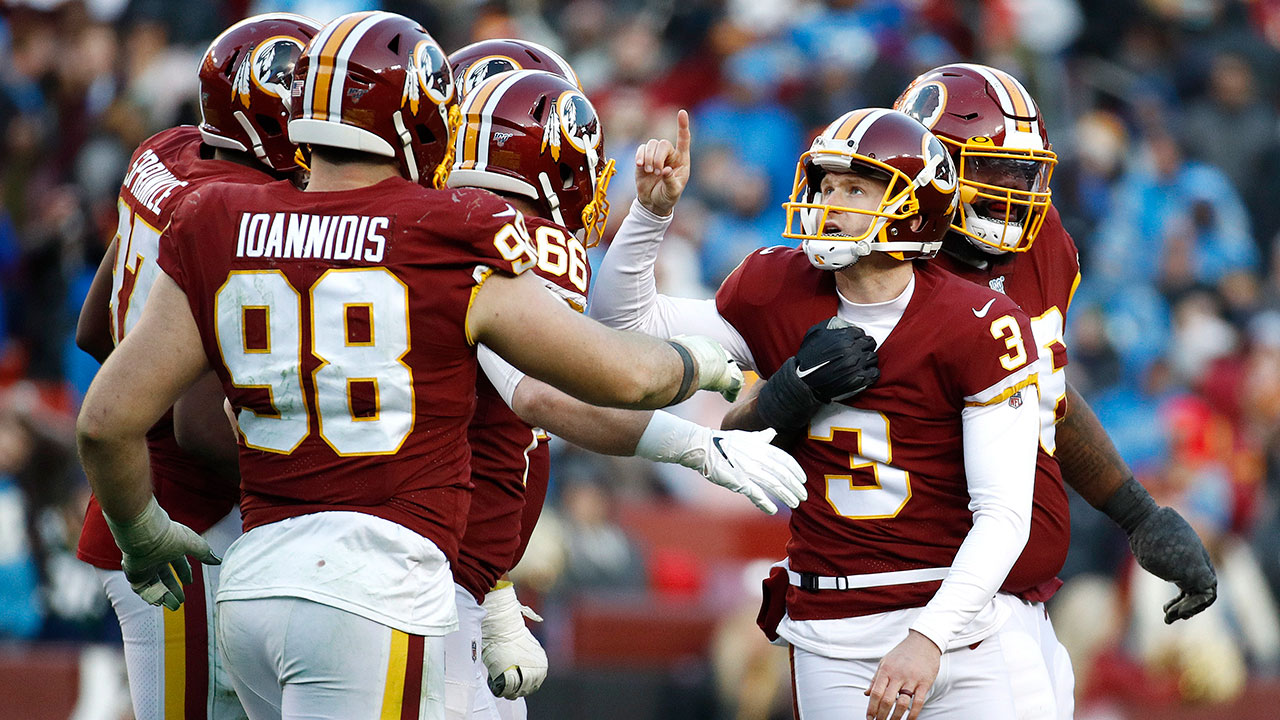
690 372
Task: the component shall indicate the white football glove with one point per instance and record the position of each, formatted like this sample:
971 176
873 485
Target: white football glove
153 549
517 664
715 370
743 462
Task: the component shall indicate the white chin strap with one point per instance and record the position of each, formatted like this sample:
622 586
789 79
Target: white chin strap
993 231
406 142
553 200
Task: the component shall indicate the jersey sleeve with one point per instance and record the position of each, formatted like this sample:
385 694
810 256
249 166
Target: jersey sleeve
173 260
494 232
992 356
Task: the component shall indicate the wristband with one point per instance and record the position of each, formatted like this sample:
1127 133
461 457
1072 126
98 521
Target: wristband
690 372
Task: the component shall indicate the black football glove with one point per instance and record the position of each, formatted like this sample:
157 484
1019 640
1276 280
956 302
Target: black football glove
836 361
1167 547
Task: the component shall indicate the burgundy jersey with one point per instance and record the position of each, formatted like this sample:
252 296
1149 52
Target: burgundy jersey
1041 281
510 460
336 322
885 470
163 170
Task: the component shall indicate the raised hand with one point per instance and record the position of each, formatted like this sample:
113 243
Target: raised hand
662 170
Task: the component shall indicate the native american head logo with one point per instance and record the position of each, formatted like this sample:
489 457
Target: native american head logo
270 67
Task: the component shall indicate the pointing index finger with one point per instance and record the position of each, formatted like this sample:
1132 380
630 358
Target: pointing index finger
683 136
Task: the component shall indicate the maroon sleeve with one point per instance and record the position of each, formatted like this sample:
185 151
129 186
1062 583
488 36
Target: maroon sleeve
993 355
172 245
497 232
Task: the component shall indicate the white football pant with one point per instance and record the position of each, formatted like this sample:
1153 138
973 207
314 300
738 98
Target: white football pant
175 668
291 658
467 695
1033 619
1003 678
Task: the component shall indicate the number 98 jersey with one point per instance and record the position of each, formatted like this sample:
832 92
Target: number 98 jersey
336 322
885 470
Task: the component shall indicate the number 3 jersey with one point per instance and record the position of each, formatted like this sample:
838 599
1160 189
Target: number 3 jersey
510 460
163 170
1041 281
336 323
885 470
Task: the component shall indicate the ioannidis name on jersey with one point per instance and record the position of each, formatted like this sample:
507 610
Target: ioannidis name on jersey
296 236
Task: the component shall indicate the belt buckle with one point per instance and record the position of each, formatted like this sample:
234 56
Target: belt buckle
809 581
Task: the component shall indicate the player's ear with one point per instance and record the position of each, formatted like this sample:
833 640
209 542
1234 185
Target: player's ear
916 222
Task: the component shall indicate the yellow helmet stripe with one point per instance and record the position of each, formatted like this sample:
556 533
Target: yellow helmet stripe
472 118
323 64
850 122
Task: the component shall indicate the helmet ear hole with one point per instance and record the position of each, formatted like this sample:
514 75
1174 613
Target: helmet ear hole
270 126
394 45
539 108
566 177
425 136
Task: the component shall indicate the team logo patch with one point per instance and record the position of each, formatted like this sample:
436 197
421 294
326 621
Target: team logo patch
428 73
925 102
485 68
573 120
270 67
997 284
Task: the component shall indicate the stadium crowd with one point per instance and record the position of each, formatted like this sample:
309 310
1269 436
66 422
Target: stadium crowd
1165 115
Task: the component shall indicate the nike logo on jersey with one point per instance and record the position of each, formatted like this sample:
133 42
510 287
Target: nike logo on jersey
983 312
715 440
808 371
768 250
510 211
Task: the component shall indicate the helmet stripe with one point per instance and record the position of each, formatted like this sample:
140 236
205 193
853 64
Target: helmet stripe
347 46
848 123
1021 107
486 116
472 111
869 119
322 64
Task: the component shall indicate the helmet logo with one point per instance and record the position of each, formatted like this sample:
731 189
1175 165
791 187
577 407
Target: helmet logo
485 68
573 118
270 67
944 176
429 73
925 102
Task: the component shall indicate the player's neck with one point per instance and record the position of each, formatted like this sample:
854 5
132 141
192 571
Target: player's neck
330 177
239 158
875 278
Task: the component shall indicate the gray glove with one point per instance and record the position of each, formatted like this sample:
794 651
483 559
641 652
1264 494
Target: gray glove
154 549
1167 547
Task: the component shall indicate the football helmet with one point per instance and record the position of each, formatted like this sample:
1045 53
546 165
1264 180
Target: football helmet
479 61
377 82
245 77
534 134
921 182
997 138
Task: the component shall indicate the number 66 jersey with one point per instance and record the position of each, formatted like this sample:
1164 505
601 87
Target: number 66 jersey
336 322
889 501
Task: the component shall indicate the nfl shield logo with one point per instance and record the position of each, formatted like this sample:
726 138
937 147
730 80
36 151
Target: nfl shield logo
1015 400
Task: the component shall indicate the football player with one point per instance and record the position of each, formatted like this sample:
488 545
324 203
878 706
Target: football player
341 322
920 482
1008 236
174 667
520 129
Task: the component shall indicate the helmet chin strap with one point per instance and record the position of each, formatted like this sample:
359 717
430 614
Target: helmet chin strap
253 135
406 142
553 200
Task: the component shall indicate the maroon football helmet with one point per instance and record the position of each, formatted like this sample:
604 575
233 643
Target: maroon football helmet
534 134
921 182
479 61
997 138
244 86
377 82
